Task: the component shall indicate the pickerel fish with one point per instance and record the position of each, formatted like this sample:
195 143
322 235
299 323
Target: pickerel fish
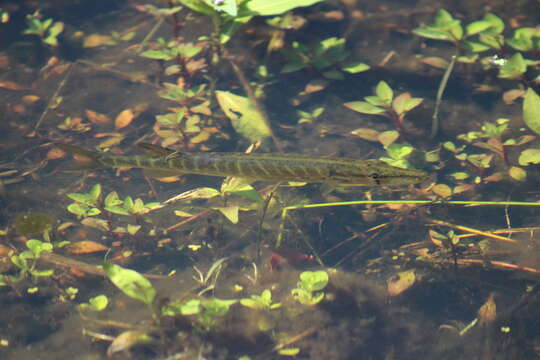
255 167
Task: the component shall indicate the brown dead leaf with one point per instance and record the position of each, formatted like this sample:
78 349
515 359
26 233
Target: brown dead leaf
30 99
10 85
95 40
55 153
487 312
315 86
97 118
4 62
401 282
86 247
124 119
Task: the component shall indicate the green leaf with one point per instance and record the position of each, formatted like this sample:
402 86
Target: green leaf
244 116
37 247
313 280
230 212
199 6
384 92
230 27
130 282
497 25
529 156
82 198
229 7
98 303
292 67
477 27
531 110
432 33
475 46
513 68
354 67
443 18
412 103
517 173
276 7
157 54
112 199
364 107
95 192
119 210
399 151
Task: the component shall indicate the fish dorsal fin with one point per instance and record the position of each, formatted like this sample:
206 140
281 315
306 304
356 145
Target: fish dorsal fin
156 151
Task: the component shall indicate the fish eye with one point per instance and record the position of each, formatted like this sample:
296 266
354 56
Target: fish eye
375 177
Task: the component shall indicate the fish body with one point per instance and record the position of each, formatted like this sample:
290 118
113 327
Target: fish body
258 166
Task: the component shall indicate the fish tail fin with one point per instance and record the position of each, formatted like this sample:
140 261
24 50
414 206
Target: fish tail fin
84 159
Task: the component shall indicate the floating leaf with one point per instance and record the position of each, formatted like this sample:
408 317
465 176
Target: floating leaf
130 282
244 116
86 247
531 110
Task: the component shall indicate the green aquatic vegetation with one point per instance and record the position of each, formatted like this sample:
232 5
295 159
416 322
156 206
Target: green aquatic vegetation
205 311
245 118
328 57
307 117
26 262
384 103
209 280
97 303
86 204
46 29
128 206
260 302
309 288
130 282
446 28
397 155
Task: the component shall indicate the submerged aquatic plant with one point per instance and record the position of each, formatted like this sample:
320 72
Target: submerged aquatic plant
309 288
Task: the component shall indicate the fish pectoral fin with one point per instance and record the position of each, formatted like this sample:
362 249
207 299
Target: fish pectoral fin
156 151
161 173
82 159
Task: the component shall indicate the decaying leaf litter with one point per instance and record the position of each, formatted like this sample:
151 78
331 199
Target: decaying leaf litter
207 287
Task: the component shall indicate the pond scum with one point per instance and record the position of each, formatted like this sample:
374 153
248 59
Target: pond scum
439 263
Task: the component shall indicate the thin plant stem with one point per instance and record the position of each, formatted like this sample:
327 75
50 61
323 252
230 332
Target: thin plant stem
440 92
